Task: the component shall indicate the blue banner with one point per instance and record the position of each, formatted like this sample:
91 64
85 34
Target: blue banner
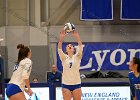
105 56
130 9
97 10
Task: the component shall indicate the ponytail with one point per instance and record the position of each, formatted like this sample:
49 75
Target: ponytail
23 52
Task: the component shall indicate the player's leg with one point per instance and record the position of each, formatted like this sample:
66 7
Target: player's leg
18 96
67 95
77 93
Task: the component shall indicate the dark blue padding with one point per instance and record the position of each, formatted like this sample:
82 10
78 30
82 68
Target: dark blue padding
96 9
130 9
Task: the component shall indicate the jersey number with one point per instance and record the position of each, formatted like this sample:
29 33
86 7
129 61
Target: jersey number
70 64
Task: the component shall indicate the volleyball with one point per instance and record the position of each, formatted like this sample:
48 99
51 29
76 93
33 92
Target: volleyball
69 27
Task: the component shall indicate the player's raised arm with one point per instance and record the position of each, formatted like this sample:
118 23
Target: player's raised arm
61 38
76 35
80 47
60 52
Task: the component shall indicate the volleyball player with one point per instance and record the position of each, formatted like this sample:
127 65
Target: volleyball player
20 78
71 82
134 77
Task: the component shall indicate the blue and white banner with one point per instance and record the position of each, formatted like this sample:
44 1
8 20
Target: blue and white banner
106 56
101 93
96 10
130 9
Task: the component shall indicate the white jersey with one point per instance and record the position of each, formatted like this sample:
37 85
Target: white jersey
71 66
21 72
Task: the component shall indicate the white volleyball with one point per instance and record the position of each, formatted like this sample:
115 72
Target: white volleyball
69 27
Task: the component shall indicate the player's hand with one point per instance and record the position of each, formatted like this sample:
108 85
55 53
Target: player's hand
75 34
29 92
62 34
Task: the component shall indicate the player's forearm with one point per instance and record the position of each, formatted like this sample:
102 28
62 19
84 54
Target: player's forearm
60 43
27 83
79 40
